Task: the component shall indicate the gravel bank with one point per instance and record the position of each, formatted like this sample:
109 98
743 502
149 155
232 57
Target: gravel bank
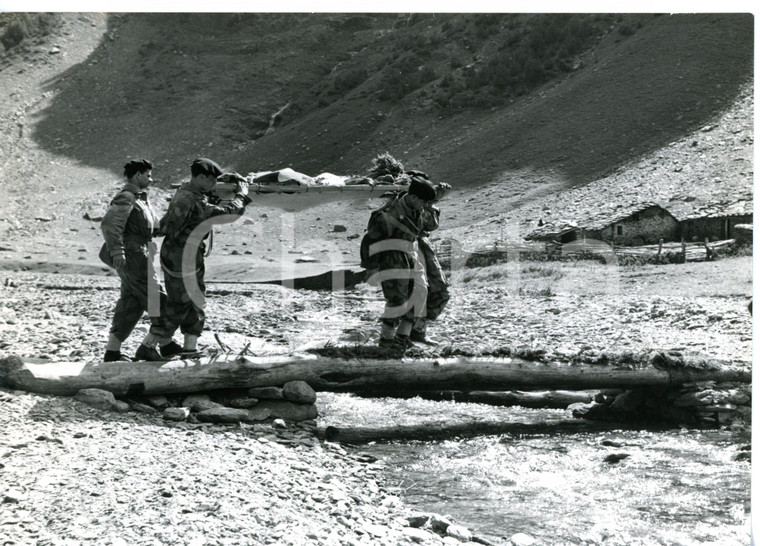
71 474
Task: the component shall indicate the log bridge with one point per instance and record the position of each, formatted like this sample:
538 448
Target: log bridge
342 375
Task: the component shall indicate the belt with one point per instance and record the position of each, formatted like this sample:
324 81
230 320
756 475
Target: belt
135 239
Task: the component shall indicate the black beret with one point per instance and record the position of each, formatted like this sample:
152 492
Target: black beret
412 172
422 188
206 166
135 166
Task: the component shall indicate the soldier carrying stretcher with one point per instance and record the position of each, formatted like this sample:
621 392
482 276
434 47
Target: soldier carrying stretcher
397 245
186 227
128 228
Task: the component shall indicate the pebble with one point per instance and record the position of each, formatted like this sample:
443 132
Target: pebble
12 497
522 539
417 535
615 457
176 414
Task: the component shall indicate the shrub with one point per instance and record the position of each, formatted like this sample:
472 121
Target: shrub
15 33
404 76
345 81
529 51
544 270
386 164
24 25
626 29
530 292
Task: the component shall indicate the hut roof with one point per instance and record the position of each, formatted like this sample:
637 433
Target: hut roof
722 209
599 220
621 213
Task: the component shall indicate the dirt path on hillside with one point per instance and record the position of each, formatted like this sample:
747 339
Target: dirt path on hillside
40 191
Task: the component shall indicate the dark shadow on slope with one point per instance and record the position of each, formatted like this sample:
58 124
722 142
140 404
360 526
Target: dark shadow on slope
159 88
172 87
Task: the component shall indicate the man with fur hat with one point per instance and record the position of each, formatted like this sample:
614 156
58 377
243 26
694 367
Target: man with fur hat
392 245
128 227
186 227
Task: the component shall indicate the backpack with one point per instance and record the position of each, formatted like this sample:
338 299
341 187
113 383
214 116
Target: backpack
367 261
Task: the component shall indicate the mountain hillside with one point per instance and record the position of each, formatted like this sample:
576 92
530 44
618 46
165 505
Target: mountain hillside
158 87
508 108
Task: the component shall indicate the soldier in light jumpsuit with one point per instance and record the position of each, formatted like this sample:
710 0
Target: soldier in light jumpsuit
128 227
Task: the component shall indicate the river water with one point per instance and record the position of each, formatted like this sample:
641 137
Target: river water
676 486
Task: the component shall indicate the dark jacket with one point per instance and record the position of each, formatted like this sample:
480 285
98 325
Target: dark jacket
402 227
189 208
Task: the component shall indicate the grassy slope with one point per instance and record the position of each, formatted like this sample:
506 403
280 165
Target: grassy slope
159 91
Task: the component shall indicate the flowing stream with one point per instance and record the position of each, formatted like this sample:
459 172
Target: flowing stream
676 486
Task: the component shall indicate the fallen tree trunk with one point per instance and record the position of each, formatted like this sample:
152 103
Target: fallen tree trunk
467 429
339 374
542 399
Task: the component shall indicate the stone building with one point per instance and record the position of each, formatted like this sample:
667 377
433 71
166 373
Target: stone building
642 224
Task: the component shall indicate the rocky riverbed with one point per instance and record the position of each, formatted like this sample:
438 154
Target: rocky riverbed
73 474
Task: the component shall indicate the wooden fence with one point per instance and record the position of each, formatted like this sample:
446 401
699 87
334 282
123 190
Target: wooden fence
455 257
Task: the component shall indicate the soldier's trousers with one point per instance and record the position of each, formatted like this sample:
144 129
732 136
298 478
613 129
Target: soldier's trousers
405 288
186 293
438 285
138 283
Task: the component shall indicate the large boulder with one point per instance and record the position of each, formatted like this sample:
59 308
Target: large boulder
266 393
199 402
299 392
591 410
462 534
176 414
98 398
628 402
233 415
243 403
158 401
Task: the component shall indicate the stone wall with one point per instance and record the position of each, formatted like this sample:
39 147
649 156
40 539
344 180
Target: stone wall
644 228
293 402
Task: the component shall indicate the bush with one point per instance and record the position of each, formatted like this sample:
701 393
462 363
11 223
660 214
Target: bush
386 164
533 49
626 29
19 26
404 76
14 34
345 81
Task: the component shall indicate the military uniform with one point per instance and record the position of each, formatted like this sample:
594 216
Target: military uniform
189 208
438 285
395 229
128 227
